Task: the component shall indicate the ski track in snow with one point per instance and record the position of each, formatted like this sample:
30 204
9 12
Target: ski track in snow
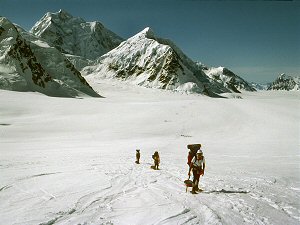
66 180
129 184
134 184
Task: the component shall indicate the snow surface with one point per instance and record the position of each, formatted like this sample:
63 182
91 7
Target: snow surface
71 161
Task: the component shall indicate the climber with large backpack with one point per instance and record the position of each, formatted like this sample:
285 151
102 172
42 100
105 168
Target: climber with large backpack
193 148
156 159
197 166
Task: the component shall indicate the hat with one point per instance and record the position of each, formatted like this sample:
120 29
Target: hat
138 150
199 152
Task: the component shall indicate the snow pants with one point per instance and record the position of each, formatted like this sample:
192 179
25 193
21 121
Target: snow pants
196 175
156 164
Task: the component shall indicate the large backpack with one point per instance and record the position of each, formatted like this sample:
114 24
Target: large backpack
192 153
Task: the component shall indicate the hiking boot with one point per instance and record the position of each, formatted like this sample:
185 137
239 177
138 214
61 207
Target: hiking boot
194 191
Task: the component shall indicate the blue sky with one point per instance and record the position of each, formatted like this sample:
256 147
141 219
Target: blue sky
257 40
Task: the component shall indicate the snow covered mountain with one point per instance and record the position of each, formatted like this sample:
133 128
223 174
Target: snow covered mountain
75 36
285 82
260 87
29 64
143 59
150 61
228 79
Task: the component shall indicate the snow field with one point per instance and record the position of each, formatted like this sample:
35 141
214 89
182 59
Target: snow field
71 161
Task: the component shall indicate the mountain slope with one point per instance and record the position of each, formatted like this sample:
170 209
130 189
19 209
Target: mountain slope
75 36
34 66
260 87
228 79
149 61
285 82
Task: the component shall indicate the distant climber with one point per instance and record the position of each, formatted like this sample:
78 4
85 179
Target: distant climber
137 156
197 166
156 159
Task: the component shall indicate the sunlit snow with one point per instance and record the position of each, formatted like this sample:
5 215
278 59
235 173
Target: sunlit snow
71 161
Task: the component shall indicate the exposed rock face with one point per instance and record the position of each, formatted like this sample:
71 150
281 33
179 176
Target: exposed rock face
285 82
31 65
260 87
75 36
228 79
149 61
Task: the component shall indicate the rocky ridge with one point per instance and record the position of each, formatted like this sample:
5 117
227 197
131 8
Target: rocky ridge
150 61
25 66
74 36
285 82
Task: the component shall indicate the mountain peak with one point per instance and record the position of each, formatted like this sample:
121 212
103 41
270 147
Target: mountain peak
148 31
145 33
4 22
62 11
64 14
227 78
282 76
28 64
7 26
154 62
285 82
74 36
57 16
